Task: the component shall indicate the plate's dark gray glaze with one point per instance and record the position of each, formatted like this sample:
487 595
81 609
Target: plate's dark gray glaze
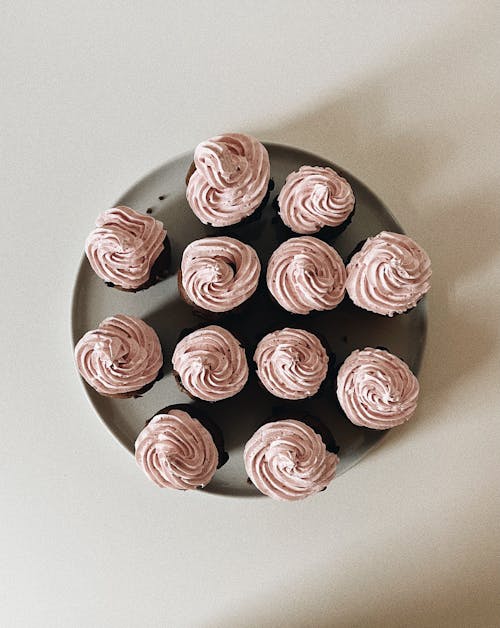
346 328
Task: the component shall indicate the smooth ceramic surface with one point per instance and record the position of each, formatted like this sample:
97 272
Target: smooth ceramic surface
345 328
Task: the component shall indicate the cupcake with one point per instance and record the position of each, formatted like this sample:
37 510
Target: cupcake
376 389
288 460
210 364
176 450
314 197
217 275
128 250
291 363
121 358
389 274
306 274
228 180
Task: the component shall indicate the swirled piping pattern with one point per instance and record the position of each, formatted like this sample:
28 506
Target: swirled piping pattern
124 246
176 451
288 461
291 363
230 180
376 389
220 273
121 356
389 275
306 274
314 197
211 364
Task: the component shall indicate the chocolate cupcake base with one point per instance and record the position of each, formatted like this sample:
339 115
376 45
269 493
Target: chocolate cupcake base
255 216
135 394
180 386
328 234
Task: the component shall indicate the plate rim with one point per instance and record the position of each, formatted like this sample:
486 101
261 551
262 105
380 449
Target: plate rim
185 155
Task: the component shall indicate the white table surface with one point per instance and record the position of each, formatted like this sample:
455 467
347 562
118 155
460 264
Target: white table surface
403 94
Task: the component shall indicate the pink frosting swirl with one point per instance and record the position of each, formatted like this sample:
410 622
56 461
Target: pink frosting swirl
211 363
313 198
291 363
218 274
175 451
306 274
230 181
376 389
120 357
287 460
389 274
124 246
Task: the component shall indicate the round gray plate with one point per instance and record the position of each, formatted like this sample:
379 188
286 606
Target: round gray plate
345 328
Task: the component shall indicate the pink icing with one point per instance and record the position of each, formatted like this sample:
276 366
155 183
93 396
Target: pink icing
291 363
231 179
376 389
389 274
124 246
211 363
218 274
287 460
175 451
306 274
313 198
121 356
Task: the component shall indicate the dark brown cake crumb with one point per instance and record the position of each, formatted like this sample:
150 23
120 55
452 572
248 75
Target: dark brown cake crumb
162 197
149 210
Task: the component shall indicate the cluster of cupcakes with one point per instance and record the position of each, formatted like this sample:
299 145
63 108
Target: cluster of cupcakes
228 184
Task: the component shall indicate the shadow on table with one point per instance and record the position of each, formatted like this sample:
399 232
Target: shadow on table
401 160
459 228
453 584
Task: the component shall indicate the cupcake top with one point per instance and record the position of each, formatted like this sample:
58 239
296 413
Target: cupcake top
288 461
218 274
175 451
306 274
376 389
211 363
389 274
313 198
230 180
291 363
121 356
124 246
